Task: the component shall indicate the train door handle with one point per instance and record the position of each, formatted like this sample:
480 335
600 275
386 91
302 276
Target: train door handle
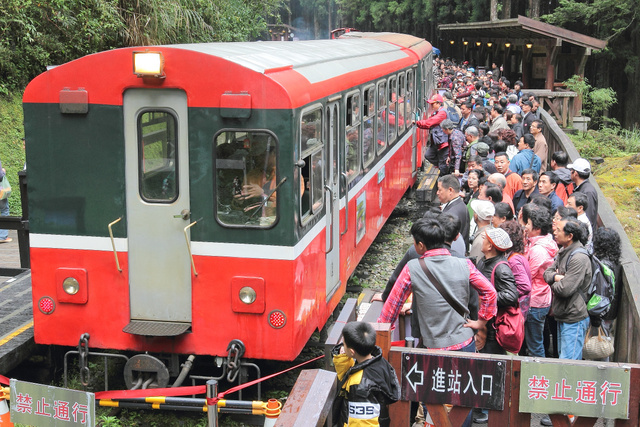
113 243
346 203
185 214
330 212
186 237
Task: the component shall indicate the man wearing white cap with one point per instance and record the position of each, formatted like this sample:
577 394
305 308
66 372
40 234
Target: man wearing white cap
483 211
580 171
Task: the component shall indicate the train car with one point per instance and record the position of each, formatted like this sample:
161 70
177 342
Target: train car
182 197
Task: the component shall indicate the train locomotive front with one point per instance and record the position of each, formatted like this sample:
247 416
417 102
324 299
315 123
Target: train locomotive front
182 197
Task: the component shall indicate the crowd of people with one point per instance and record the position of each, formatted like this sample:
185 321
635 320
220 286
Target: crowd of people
514 232
514 236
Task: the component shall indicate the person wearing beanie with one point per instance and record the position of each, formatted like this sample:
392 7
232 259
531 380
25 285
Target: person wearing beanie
495 267
483 211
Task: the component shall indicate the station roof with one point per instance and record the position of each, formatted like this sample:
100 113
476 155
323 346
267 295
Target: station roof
519 30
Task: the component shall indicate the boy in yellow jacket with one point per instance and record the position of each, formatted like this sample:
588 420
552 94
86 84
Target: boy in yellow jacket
368 383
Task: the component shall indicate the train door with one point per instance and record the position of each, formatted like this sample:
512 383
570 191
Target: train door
157 187
332 183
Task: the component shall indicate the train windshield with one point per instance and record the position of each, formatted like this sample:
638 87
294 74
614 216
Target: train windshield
246 171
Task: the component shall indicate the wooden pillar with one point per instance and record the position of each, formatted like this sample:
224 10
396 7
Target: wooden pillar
506 62
577 102
552 62
399 412
526 66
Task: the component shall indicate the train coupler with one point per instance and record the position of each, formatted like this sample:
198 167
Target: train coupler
236 350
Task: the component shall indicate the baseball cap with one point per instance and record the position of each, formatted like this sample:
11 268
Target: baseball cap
529 103
489 73
580 165
436 98
499 238
483 208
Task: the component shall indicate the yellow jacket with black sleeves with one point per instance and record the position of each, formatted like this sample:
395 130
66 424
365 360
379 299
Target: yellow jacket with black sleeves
366 389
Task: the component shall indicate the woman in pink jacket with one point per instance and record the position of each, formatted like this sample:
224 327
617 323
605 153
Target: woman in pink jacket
540 252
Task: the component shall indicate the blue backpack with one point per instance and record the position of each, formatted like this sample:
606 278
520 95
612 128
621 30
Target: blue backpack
602 287
453 115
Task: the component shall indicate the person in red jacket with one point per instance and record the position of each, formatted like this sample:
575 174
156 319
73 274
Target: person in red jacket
438 150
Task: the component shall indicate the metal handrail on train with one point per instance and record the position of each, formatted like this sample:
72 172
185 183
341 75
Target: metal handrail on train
186 237
113 243
330 212
346 203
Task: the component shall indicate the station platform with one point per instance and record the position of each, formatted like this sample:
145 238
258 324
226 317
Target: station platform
16 319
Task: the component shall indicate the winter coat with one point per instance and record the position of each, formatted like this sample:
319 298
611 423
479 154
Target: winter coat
503 281
569 305
522 161
366 389
540 253
522 273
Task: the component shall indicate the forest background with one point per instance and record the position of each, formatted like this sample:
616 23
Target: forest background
37 33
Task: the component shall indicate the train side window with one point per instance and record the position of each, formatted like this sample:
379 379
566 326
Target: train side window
158 162
381 122
312 173
352 140
369 111
392 101
246 178
402 101
410 97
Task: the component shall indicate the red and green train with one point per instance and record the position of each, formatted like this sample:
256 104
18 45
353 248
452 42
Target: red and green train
185 196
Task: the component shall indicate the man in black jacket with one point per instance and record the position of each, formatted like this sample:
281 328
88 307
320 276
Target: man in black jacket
451 202
527 116
468 119
580 171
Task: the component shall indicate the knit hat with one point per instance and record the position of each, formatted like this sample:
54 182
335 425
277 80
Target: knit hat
482 148
499 239
483 208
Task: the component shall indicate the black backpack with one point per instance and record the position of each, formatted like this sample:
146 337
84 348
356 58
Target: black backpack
602 287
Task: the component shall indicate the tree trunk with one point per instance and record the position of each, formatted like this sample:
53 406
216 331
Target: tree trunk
632 96
506 9
329 12
494 10
534 9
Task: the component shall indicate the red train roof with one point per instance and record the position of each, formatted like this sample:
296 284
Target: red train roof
291 73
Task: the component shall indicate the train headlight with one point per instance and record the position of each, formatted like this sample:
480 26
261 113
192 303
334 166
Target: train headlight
148 64
70 285
247 295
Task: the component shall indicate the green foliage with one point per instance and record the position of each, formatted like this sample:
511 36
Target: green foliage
607 142
108 421
602 18
11 150
595 101
35 34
